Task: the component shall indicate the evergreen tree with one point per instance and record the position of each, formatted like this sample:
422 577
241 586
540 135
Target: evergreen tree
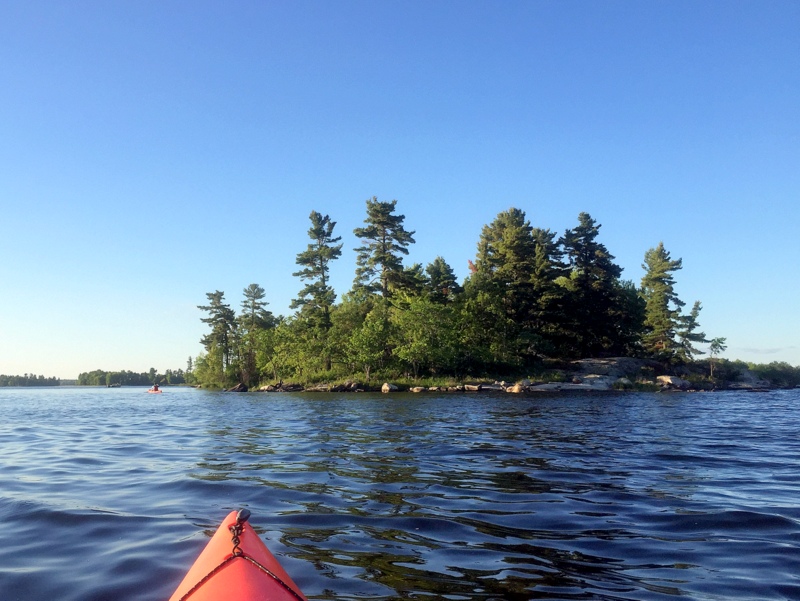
628 318
414 281
442 282
254 317
717 346
317 297
222 320
502 294
514 290
592 284
379 260
688 335
662 305
549 319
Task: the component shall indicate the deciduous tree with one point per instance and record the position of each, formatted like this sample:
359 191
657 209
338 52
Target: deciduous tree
425 333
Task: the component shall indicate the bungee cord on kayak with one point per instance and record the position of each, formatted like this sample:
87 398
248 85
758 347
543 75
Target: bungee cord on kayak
246 588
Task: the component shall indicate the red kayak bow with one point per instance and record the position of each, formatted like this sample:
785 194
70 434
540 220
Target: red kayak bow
237 566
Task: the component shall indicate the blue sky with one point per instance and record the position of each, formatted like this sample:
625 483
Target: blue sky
151 152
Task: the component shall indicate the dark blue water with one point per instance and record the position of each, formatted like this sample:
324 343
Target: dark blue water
111 493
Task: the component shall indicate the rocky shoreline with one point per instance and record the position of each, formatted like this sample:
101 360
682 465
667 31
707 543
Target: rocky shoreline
589 375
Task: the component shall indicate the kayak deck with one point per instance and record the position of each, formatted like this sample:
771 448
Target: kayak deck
237 566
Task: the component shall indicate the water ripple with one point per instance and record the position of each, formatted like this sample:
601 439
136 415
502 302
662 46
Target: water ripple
112 494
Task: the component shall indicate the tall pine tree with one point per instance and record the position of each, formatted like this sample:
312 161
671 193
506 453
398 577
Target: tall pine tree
688 335
593 284
253 318
379 260
662 305
317 297
220 341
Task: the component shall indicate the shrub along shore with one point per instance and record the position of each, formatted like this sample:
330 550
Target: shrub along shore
589 375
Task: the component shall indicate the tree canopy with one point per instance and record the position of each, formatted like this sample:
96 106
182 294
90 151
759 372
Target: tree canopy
379 260
529 296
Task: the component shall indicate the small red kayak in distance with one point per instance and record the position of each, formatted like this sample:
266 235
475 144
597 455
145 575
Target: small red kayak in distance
237 566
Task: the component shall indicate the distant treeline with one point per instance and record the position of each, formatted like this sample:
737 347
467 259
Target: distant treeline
28 380
99 377
778 373
531 296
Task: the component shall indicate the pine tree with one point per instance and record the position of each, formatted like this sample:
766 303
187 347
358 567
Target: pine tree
442 283
254 312
379 260
513 291
220 341
501 292
317 297
628 318
254 317
550 319
593 284
688 335
413 280
717 346
662 305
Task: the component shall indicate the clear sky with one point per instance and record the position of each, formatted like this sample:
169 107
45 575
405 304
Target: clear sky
154 151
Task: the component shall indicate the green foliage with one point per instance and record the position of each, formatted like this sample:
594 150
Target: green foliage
425 334
208 369
254 318
28 380
222 320
99 377
778 373
442 284
317 297
501 292
379 260
688 336
716 346
593 285
368 345
662 305
628 316
529 298
254 314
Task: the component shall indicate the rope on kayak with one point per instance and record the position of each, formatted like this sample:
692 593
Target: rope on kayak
274 576
228 560
237 553
207 577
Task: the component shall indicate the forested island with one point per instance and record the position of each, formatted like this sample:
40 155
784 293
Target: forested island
28 380
532 300
533 303
99 377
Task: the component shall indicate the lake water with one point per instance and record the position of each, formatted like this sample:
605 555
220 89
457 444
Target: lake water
110 494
